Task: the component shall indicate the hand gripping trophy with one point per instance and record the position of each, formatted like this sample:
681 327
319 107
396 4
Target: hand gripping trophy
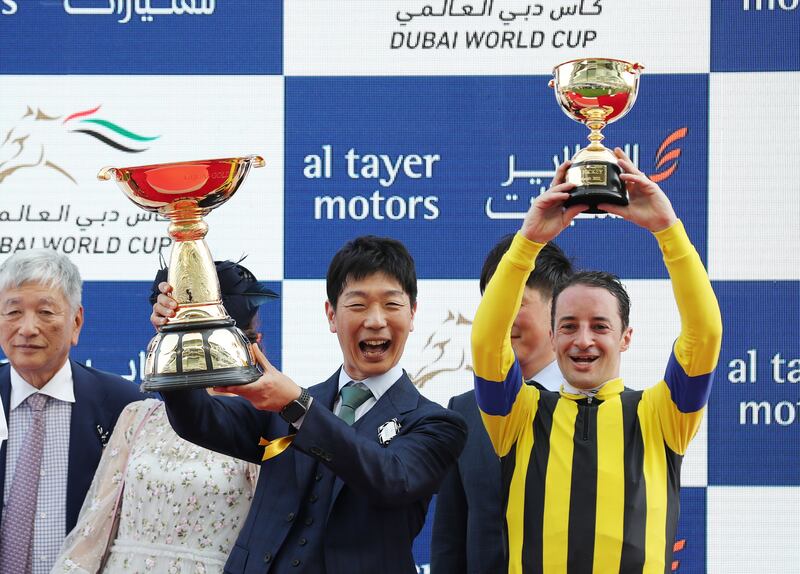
201 346
596 92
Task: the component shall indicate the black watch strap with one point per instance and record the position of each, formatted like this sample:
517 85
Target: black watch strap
292 412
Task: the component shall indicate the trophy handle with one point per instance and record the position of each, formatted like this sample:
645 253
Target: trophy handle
107 173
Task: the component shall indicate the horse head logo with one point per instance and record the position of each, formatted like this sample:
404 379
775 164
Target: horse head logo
27 145
447 350
24 148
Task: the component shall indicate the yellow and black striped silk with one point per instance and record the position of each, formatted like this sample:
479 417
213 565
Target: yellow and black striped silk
593 484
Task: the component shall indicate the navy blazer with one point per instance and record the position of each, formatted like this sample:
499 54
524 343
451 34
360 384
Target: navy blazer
468 525
380 494
99 399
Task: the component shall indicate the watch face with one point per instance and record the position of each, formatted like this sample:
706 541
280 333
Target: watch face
293 411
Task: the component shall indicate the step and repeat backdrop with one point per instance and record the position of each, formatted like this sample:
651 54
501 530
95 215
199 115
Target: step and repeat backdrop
432 122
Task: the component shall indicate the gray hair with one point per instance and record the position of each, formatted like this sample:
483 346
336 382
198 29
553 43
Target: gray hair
46 267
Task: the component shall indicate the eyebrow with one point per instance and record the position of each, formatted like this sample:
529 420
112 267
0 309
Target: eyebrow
573 318
45 300
389 293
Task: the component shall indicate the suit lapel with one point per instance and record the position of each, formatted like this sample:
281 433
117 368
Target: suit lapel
401 398
86 424
304 465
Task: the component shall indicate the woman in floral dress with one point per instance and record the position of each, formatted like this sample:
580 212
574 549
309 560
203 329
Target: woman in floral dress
182 505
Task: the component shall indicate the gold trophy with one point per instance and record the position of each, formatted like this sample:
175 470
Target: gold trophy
596 92
201 346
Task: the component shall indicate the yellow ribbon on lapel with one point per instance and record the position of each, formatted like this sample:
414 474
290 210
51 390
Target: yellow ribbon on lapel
275 447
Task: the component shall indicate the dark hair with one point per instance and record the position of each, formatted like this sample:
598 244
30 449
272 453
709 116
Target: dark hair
603 280
367 255
552 266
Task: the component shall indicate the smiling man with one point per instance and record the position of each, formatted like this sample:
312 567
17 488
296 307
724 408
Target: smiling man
368 451
592 474
60 413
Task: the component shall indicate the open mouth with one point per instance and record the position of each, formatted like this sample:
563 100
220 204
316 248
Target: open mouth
374 348
583 360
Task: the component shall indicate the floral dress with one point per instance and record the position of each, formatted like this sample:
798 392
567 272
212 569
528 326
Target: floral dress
182 505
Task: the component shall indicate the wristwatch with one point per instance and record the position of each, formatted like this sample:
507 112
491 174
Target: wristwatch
292 412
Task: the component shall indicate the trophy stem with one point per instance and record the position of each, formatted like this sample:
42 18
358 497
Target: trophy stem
595 137
186 221
596 121
192 273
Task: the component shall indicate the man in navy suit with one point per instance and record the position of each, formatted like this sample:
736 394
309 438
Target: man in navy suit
367 452
75 409
467 535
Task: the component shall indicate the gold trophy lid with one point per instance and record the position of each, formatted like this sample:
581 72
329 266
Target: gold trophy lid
206 183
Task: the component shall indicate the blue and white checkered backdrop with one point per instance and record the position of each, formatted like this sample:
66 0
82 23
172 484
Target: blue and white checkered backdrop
431 121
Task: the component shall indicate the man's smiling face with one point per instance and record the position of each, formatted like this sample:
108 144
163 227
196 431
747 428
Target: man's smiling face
588 336
372 319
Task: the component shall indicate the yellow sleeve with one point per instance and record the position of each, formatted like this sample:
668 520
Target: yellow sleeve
681 397
505 409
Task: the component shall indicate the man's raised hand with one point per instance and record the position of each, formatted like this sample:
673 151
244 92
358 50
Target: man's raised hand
648 206
271 392
547 216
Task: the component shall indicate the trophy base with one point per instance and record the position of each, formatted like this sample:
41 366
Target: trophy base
222 378
596 182
214 353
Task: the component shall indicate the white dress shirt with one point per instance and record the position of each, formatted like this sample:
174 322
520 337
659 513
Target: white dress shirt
49 527
550 377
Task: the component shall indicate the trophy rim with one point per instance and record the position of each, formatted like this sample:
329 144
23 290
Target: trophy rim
257 159
636 66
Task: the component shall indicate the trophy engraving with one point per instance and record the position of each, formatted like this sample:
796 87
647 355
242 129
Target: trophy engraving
200 346
596 92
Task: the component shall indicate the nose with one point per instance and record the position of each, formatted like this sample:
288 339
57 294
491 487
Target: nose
375 318
29 325
584 337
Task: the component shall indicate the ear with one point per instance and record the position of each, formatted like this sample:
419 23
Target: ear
330 313
77 323
413 314
626 339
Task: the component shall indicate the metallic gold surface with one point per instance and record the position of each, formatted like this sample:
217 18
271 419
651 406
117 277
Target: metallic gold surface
223 347
193 357
200 346
591 174
167 356
596 92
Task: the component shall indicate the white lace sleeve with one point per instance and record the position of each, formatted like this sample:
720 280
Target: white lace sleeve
252 471
84 547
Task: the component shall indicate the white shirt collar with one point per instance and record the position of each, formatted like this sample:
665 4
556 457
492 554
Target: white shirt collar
550 377
59 387
3 425
569 389
378 385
